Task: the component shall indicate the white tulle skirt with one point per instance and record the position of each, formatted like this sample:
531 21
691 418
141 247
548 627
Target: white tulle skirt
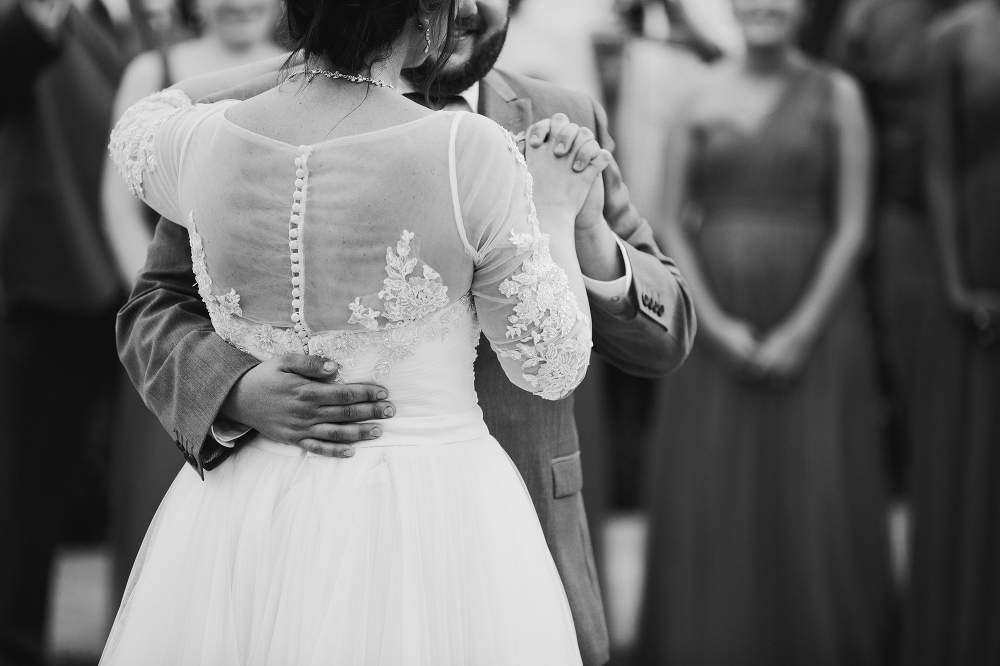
402 555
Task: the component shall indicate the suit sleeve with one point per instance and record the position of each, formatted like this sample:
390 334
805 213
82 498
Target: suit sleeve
651 333
167 344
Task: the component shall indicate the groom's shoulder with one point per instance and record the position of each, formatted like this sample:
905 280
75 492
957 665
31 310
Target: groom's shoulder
548 98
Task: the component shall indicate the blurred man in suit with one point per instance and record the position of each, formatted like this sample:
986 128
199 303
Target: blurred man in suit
58 289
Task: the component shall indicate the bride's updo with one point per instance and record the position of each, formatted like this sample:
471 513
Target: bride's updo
354 34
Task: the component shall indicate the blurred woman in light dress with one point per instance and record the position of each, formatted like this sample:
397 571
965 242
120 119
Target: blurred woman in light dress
768 539
233 33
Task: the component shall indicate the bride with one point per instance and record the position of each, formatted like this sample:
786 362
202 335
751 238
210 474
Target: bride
332 216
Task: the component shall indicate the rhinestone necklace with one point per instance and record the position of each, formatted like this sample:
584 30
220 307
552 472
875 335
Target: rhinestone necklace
311 74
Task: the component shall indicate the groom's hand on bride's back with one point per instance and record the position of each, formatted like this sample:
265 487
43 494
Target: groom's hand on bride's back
294 399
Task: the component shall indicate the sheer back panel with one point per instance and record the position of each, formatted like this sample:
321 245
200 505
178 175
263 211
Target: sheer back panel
350 216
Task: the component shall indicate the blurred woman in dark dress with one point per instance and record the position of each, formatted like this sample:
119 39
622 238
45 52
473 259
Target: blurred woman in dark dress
768 541
955 601
884 44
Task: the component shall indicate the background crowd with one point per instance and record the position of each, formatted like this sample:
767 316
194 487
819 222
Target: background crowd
818 484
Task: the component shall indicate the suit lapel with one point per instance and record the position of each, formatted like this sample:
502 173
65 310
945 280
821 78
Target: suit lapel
499 102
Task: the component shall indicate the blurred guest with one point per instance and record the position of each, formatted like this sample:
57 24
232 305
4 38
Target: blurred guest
58 292
883 43
234 32
768 538
551 40
818 24
955 601
653 77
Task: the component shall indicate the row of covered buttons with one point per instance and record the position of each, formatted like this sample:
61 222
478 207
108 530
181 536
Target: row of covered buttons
294 245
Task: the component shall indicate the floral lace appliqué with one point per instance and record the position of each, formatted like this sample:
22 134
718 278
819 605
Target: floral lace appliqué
363 316
405 298
408 303
395 342
546 313
222 310
131 144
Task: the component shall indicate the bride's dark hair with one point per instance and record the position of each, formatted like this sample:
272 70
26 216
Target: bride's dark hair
353 35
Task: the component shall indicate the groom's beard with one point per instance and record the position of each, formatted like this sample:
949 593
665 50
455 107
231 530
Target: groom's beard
455 80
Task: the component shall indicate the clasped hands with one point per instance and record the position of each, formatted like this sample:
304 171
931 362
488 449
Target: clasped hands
296 399
775 358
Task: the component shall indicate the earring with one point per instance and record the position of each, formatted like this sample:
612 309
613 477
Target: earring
427 40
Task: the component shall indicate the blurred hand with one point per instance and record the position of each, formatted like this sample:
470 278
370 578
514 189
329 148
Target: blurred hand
782 354
737 340
294 399
564 160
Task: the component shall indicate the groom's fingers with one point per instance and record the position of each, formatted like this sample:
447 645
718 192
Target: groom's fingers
334 395
327 449
585 148
588 153
574 136
313 367
559 123
362 411
564 137
322 437
598 164
538 133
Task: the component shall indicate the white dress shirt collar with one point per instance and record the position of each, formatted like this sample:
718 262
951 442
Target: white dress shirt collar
470 94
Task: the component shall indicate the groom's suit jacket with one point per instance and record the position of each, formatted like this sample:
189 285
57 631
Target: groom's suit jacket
184 371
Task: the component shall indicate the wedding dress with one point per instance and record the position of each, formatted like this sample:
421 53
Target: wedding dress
385 251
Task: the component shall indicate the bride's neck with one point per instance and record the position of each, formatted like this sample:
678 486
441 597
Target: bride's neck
387 70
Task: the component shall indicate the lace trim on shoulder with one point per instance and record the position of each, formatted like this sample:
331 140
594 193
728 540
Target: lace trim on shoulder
131 144
547 312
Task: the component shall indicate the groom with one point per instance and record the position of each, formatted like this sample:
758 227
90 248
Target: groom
209 394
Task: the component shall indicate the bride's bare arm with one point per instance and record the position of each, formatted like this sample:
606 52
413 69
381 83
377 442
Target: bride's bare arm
263 75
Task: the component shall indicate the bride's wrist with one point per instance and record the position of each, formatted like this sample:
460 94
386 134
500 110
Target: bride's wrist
555 214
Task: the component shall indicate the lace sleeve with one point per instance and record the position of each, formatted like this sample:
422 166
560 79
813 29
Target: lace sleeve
147 163
526 305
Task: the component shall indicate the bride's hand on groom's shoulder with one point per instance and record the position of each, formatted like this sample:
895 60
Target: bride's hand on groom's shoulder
564 160
294 399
